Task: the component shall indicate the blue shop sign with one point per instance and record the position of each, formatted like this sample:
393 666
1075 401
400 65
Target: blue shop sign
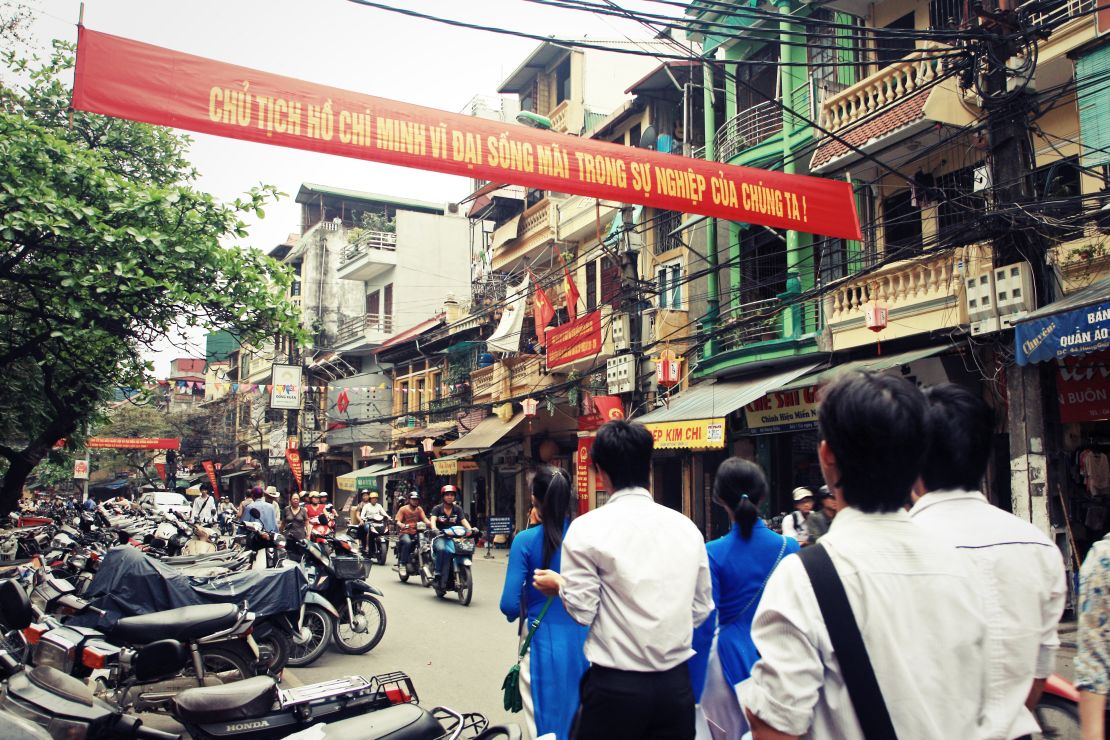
1064 334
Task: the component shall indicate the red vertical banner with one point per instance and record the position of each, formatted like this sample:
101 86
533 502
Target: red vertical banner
161 468
294 459
210 468
582 473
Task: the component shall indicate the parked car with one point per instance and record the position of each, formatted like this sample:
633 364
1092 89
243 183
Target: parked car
169 502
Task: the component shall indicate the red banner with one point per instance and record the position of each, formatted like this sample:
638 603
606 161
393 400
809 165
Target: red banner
294 459
131 443
582 473
129 79
210 469
609 408
574 340
160 468
1083 387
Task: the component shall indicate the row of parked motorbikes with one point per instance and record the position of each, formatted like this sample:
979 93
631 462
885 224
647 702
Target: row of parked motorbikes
106 615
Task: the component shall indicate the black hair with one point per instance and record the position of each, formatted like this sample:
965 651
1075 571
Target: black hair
623 451
961 426
875 427
551 487
739 486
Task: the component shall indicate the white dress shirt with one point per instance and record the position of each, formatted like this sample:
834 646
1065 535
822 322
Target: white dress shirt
637 574
790 529
370 509
204 510
921 619
1020 574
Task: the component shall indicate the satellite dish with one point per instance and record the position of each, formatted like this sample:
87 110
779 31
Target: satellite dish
534 120
648 138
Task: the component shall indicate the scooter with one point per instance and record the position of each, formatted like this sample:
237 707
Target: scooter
377 546
420 559
358 617
60 706
458 578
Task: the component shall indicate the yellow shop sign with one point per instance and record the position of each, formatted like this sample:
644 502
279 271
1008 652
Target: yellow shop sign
697 434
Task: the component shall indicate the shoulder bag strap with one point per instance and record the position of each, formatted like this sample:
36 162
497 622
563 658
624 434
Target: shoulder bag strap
847 643
532 630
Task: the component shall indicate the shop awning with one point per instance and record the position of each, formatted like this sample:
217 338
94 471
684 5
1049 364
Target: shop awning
717 400
870 365
1074 325
437 429
350 481
488 432
397 471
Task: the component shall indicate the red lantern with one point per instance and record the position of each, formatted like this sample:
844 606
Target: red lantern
667 372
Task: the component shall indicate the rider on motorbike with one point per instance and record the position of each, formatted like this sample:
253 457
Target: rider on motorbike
444 515
369 508
408 516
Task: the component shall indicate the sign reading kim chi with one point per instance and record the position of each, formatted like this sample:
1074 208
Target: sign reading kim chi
140 82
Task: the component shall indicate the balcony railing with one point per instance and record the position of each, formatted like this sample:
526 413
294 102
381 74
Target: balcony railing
1060 11
366 243
887 86
768 320
746 129
900 284
559 117
536 219
364 326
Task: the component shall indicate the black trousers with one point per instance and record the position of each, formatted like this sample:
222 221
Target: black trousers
635 705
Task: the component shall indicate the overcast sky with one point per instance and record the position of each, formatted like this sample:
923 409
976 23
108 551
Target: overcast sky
338 43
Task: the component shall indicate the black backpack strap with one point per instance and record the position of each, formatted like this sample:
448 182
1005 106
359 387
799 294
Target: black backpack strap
847 643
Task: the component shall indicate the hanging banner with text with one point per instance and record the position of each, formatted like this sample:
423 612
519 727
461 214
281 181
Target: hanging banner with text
210 469
582 473
1083 388
129 79
293 457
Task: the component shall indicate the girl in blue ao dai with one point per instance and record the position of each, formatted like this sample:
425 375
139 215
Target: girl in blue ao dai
739 565
553 667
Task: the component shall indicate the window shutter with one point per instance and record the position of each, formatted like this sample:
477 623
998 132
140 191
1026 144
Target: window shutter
1094 102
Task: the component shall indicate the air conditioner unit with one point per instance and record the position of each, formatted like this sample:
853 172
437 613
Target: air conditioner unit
982 314
621 334
620 373
1013 290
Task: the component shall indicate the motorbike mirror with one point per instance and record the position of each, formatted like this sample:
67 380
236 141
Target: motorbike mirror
253 512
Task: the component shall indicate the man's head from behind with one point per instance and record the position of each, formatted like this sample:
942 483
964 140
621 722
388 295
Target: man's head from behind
622 451
872 430
960 426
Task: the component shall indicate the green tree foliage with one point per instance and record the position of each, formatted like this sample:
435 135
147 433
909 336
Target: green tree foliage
106 247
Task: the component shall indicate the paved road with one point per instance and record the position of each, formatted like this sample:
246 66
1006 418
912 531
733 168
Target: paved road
456 656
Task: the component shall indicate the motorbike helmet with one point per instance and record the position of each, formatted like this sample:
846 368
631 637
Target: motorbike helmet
373 494
449 489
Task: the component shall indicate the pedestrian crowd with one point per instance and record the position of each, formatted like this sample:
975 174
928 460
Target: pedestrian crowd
897 602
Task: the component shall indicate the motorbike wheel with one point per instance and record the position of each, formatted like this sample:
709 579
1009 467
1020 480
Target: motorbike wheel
225 664
320 626
425 576
403 573
365 631
1058 718
274 648
383 551
465 584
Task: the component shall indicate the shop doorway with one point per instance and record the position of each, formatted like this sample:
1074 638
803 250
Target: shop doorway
504 495
667 482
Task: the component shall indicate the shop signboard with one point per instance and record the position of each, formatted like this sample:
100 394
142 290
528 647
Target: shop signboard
81 469
783 411
366 482
450 467
500 525
285 393
129 79
582 473
1083 388
696 434
577 340
1065 334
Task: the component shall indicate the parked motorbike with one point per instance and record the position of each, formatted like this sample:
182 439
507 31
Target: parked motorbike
1057 711
420 559
411 722
458 577
357 616
59 705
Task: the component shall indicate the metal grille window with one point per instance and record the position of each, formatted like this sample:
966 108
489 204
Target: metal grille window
666 223
958 203
669 283
591 285
901 225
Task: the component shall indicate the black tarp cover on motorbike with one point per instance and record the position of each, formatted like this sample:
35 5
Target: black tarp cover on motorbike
129 583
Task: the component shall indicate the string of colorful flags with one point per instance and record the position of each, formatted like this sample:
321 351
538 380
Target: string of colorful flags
183 387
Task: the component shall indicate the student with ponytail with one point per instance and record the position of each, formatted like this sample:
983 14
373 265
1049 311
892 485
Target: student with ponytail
553 666
740 564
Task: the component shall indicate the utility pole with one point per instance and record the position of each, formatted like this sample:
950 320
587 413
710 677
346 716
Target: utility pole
1012 163
630 303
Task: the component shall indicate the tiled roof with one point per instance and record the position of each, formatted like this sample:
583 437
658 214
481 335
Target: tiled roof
903 114
413 331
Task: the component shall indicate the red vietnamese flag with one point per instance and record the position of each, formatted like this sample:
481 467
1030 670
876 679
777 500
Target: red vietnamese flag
609 408
572 290
161 469
542 311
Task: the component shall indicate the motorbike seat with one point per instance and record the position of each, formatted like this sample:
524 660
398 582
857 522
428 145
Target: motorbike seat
183 623
246 699
400 721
